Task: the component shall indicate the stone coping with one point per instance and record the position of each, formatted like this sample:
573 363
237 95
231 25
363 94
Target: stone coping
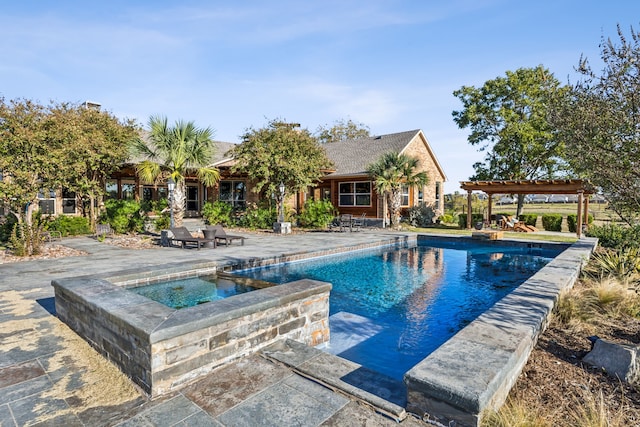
369 387
476 368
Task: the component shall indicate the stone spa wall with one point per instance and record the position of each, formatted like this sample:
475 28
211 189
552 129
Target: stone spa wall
161 348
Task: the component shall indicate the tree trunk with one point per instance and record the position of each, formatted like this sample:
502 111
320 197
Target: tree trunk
395 200
178 203
520 204
92 213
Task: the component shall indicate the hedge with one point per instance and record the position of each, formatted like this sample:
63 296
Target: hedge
552 222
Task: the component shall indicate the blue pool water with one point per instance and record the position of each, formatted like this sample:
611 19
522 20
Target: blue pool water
191 291
392 307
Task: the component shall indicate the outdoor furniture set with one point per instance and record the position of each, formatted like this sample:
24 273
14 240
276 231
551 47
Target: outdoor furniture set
212 236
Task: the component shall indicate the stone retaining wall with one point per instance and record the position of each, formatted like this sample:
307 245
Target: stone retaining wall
161 348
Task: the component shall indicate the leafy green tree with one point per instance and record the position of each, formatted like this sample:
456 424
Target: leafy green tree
29 162
508 119
599 121
93 143
341 131
174 151
389 174
278 153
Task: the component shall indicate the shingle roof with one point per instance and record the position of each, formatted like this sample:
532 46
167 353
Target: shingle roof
353 156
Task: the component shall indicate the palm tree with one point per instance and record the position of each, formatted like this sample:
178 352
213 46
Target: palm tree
389 174
173 151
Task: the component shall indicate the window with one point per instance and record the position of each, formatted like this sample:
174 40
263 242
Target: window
192 198
234 193
354 194
47 202
68 202
128 191
111 188
147 194
438 191
404 192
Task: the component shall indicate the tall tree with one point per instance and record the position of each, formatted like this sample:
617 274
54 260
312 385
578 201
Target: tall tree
508 119
341 130
174 151
280 152
389 174
28 161
94 143
599 121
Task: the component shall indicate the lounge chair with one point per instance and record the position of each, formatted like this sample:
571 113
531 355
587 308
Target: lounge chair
222 236
511 223
182 235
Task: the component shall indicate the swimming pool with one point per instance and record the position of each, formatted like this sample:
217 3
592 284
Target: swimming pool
391 307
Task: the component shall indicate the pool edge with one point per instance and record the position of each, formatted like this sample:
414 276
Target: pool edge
475 369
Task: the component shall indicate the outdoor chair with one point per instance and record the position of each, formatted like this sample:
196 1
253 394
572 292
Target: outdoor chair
103 230
51 235
182 235
346 222
358 222
222 236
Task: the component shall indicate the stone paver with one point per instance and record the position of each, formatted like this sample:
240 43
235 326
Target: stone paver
49 376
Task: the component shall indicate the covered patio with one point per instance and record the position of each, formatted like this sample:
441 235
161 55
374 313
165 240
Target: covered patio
537 186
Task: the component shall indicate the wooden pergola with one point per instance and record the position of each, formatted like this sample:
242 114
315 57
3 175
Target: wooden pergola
537 186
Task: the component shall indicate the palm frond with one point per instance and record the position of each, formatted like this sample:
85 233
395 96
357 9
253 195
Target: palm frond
148 171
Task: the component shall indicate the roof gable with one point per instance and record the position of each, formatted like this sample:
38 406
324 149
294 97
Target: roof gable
353 156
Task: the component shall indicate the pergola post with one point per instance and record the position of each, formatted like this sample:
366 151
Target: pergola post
586 211
468 209
579 218
489 210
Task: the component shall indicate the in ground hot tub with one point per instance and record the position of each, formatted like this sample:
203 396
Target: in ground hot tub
161 348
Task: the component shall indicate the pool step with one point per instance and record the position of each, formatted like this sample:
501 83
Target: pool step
384 394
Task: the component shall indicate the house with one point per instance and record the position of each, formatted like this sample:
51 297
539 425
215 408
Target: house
347 186
350 188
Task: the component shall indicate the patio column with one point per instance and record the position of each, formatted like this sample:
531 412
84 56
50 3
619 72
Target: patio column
489 200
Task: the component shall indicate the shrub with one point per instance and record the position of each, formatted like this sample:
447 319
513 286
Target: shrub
447 219
572 220
162 222
6 227
552 222
124 216
258 217
624 264
217 212
462 220
316 214
616 236
529 219
421 215
26 239
70 225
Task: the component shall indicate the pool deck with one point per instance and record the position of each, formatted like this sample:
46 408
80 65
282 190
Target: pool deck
49 376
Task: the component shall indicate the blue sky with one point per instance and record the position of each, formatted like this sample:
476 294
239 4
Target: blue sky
391 65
